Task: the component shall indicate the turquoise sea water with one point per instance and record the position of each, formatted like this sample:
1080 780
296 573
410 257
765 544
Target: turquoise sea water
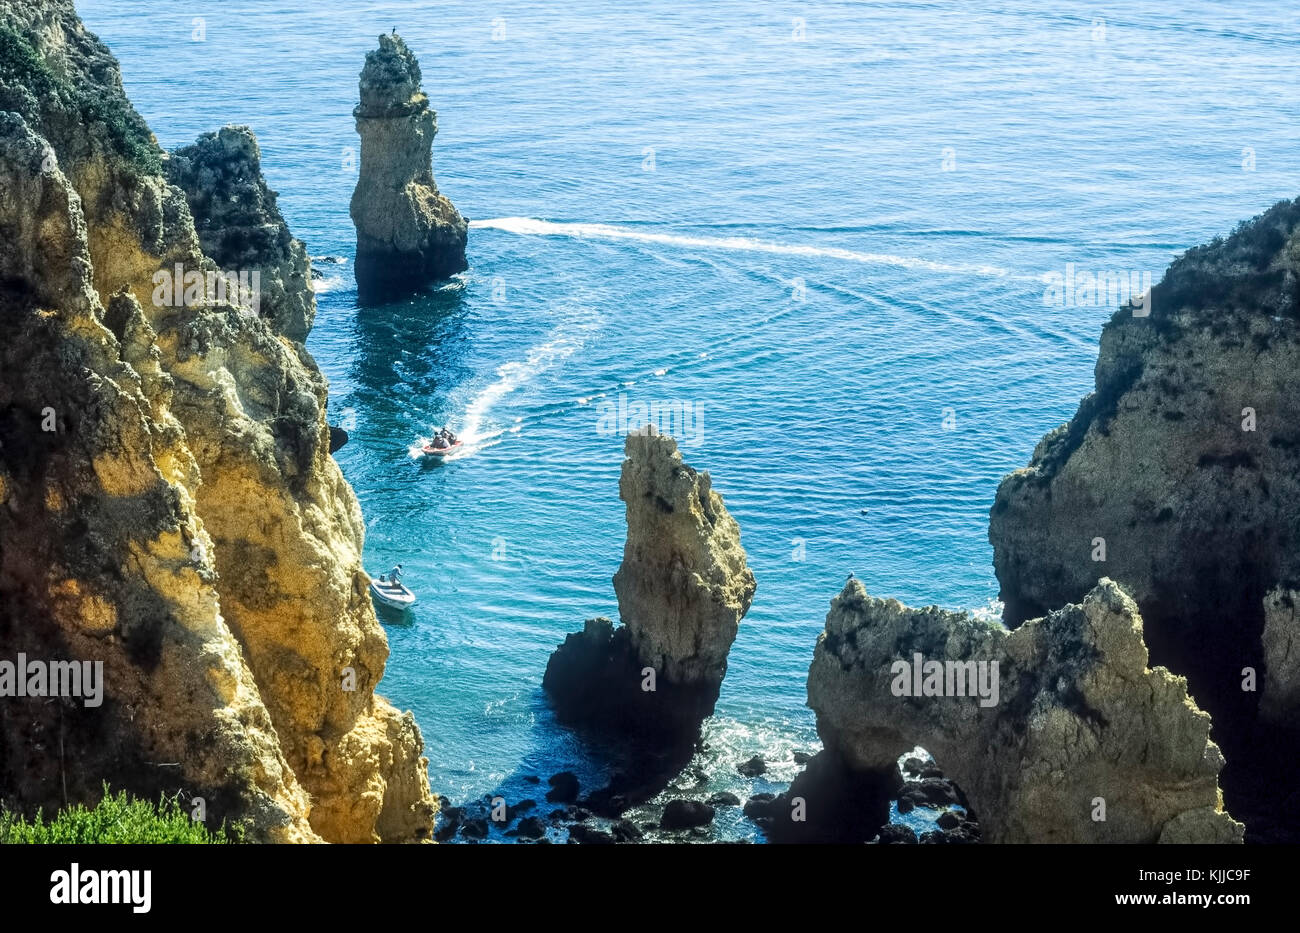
825 226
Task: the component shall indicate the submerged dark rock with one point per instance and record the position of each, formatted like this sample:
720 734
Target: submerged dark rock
893 834
685 814
586 835
929 792
530 827
564 788
625 831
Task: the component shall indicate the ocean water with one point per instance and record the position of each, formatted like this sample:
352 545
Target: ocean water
824 227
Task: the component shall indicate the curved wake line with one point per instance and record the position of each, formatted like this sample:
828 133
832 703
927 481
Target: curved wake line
528 226
474 432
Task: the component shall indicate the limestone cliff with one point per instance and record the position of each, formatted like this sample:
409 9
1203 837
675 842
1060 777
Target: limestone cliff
1078 718
407 233
682 589
1179 477
182 519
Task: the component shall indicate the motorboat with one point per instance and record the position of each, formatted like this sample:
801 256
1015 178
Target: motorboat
432 451
391 593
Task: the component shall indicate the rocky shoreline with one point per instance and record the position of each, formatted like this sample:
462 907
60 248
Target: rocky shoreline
928 810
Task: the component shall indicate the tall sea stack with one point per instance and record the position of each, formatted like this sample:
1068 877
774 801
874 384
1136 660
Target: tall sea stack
408 234
682 589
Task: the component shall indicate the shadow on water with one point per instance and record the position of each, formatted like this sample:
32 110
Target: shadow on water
410 353
392 616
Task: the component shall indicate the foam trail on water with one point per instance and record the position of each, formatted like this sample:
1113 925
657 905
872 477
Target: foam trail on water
528 226
476 430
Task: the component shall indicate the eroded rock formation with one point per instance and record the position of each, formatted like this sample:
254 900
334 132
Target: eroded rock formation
167 500
1179 477
407 233
1078 716
1281 642
682 589
241 228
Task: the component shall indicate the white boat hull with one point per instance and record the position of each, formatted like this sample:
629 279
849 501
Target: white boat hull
392 595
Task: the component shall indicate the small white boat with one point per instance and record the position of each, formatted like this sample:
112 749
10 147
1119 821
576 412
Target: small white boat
391 593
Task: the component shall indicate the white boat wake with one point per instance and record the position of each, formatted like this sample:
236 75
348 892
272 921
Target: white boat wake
528 226
477 431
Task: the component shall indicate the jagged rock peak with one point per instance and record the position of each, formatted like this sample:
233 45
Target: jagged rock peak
240 226
390 81
1057 731
684 584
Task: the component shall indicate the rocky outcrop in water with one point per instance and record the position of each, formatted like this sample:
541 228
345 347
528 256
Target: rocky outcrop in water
1281 643
167 500
241 228
1070 738
682 589
407 233
1179 477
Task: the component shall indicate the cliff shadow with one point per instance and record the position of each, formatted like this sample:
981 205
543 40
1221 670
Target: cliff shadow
406 356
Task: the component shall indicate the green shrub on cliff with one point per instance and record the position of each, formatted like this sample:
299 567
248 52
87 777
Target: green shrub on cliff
28 84
115 820
22 64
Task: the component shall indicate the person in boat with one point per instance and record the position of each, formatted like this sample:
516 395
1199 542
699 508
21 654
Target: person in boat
446 433
395 575
440 442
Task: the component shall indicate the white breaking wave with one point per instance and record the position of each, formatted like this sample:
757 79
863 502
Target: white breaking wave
528 226
326 284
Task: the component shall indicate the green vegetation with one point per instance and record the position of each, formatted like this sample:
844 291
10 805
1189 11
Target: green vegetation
126 129
22 64
116 820
22 67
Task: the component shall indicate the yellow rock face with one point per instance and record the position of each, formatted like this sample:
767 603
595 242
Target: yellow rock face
185 524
